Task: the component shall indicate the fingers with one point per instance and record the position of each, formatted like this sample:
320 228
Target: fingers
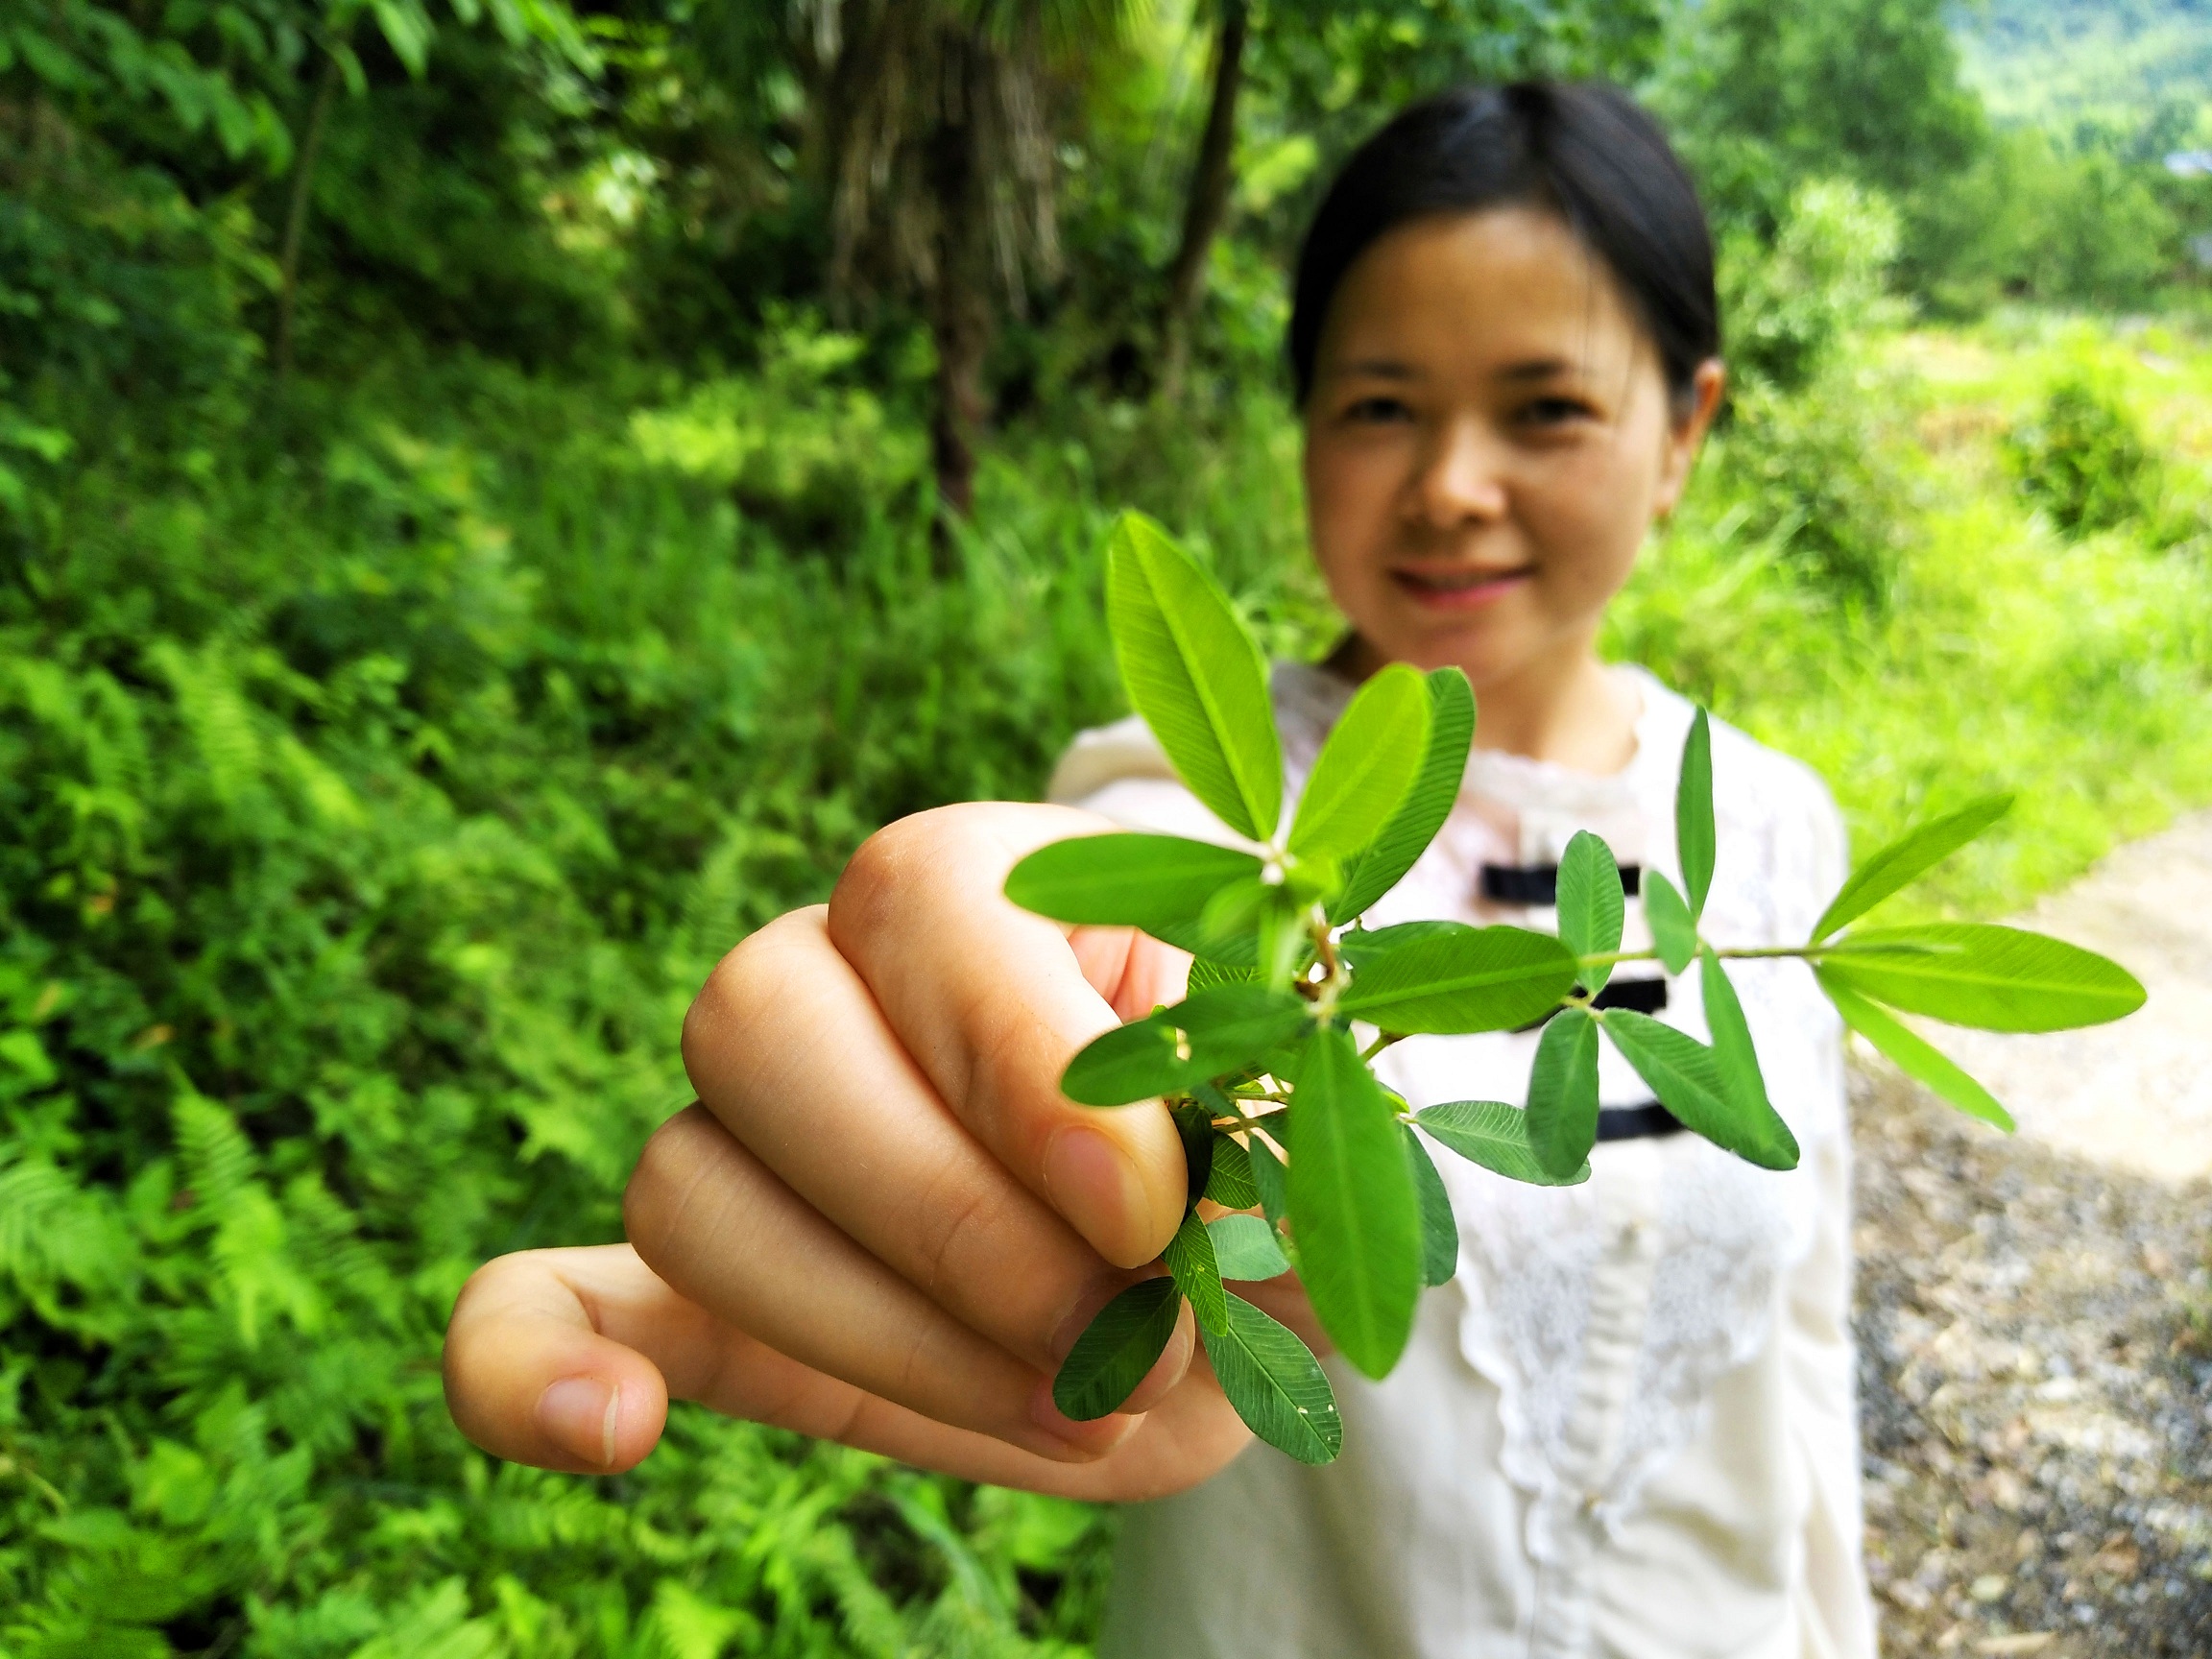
803 1070
529 1325
992 1002
727 1233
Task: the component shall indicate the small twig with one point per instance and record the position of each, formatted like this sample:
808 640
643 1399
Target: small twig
1383 1041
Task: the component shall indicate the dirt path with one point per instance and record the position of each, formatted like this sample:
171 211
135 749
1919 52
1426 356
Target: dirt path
2035 1314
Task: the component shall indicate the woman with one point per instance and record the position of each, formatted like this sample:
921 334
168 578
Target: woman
1626 1428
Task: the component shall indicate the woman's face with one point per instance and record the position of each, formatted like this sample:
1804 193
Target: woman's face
1487 442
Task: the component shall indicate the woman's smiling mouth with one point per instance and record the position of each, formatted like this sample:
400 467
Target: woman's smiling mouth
1457 589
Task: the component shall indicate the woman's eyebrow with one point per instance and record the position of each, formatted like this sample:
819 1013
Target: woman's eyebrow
1379 368
1538 369
1523 371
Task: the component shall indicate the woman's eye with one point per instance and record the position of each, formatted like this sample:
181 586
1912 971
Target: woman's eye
1374 411
1555 411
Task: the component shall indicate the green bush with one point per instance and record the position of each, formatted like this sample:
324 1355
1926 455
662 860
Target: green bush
1792 305
1810 459
804 448
365 827
2082 457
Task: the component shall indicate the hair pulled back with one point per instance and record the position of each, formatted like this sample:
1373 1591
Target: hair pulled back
1585 152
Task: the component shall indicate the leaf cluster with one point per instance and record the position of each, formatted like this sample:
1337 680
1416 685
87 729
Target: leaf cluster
1267 1061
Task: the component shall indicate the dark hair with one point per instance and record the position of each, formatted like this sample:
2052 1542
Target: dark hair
1587 152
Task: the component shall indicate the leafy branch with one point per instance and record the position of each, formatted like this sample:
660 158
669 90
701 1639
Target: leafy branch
1262 1062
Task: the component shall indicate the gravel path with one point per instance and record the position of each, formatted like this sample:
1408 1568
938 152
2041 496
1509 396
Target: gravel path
2035 1314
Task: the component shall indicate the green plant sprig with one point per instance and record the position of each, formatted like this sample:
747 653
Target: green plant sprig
1338 1167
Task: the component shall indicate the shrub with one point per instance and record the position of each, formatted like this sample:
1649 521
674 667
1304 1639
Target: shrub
365 827
1788 308
1810 458
1824 482
2082 457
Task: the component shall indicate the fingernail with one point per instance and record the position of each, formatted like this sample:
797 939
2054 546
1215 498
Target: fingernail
1092 1440
580 1414
1093 1185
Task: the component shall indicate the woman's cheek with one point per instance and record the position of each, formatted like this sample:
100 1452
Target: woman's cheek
1593 529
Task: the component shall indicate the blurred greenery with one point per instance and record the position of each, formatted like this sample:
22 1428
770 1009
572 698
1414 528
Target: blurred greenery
467 555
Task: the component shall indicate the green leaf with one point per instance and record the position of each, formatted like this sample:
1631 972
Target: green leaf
1159 883
1359 946
1233 912
1246 1249
1908 859
1918 1060
1977 973
1446 977
1693 813
1674 931
1353 1208
1233 1026
1315 879
1562 1116
1592 905
1281 946
1134 1062
1269 1179
1685 1076
1206 973
1733 1055
1221 1030
1194 1128
1230 1182
1276 1385
1195 675
1116 1349
1197 1274
1439 1227
1425 805
1368 763
1495 1136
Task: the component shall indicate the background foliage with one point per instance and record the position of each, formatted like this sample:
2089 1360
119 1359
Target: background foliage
464 560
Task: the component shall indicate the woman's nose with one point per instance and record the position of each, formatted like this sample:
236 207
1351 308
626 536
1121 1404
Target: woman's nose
1461 479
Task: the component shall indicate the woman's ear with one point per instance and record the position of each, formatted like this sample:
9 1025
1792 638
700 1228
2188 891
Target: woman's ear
1707 386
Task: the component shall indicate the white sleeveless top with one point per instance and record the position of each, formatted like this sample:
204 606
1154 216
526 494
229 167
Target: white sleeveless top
1627 1427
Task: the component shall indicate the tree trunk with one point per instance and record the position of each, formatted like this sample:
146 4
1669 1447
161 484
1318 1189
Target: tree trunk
295 218
1208 201
960 299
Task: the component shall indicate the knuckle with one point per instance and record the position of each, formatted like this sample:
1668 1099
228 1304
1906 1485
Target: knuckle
874 876
482 1285
741 985
914 854
948 1230
663 1175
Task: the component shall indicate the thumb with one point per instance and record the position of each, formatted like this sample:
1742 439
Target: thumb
531 1374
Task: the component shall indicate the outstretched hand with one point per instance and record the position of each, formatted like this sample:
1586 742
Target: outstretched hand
882 1223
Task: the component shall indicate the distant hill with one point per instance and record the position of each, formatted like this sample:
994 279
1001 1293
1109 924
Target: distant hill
2132 66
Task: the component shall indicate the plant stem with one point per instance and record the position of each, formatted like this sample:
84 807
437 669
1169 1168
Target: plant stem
1583 962
1330 985
296 216
1786 951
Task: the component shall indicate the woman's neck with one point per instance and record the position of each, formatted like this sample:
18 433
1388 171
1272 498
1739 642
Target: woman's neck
1566 709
